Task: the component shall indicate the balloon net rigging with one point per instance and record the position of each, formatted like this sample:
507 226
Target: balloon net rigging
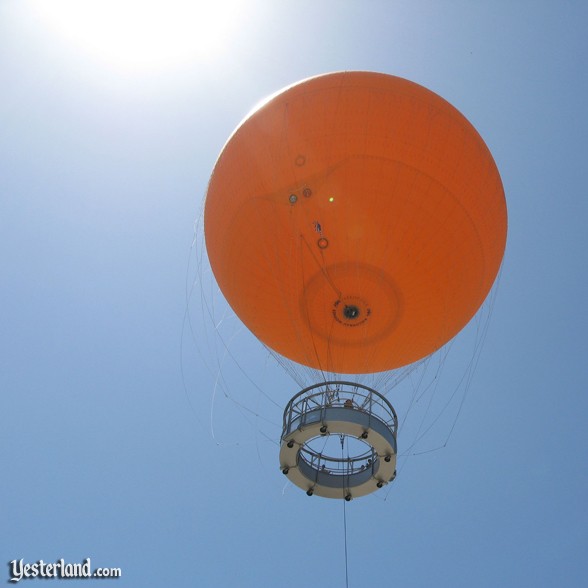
239 387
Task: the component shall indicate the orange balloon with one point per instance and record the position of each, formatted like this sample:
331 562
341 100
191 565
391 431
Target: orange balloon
355 222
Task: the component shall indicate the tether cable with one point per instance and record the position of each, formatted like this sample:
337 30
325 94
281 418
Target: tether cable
345 521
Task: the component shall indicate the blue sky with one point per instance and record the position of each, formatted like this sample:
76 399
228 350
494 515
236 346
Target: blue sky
105 427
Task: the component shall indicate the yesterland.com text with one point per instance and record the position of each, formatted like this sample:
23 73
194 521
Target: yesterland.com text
20 570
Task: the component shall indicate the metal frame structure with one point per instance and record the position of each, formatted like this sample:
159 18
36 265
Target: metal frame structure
348 410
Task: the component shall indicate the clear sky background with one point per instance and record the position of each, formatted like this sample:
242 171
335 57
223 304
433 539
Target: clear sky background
109 131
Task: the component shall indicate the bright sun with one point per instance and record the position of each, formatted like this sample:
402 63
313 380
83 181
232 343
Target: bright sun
144 33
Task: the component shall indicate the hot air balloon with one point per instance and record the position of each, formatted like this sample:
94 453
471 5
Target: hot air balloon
355 222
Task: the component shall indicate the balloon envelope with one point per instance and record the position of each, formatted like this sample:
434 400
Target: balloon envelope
355 222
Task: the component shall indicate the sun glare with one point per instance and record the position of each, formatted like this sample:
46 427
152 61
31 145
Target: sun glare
144 33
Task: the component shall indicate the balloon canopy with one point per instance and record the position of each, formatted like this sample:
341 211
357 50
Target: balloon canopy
355 222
